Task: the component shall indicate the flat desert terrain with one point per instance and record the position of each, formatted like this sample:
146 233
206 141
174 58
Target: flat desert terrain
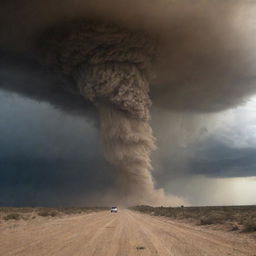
126 233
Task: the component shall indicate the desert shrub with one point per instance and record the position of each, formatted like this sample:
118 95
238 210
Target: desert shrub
46 213
54 213
12 216
250 225
211 219
43 213
234 217
27 213
234 227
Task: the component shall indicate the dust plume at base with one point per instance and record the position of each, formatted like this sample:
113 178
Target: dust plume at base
128 144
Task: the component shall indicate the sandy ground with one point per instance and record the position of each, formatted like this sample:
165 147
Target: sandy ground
126 233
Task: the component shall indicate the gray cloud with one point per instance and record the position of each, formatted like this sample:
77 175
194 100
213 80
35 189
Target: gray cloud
209 158
56 182
217 159
48 157
206 59
47 166
25 76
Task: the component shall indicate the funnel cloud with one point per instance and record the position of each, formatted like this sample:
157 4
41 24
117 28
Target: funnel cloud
186 58
112 68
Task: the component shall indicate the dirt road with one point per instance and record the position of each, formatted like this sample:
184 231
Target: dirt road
126 233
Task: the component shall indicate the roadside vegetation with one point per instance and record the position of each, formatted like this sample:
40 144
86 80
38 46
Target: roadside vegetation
233 218
26 213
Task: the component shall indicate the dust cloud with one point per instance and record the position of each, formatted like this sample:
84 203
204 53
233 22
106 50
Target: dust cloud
112 68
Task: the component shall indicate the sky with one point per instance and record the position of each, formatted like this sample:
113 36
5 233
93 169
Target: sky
50 157
203 93
46 156
218 168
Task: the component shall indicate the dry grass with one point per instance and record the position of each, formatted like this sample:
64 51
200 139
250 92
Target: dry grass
250 224
26 213
12 216
233 218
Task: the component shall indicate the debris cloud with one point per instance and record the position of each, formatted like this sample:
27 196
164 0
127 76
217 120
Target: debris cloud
112 68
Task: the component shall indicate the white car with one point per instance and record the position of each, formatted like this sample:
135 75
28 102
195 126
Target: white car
113 209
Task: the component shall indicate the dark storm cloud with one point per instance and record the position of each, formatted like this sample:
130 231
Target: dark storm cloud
52 182
27 77
206 48
40 163
216 159
210 158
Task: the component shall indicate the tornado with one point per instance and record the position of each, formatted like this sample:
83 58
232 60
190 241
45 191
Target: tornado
111 66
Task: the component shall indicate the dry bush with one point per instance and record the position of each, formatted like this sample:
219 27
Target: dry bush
12 216
60 211
212 219
27 213
250 225
48 213
231 216
80 210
